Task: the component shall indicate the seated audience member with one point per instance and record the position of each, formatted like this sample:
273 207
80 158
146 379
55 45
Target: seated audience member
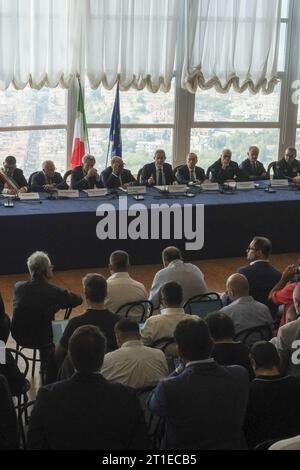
36 301
163 325
225 169
288 167
158 173
4 322
261 275
47 180
282 292
244 311
8 420
115 176
187 275
205 404
288 340
252 167
226 351
287 444
133 364
121 288
190 173
95 290
273 406
86 411
86 176
12 180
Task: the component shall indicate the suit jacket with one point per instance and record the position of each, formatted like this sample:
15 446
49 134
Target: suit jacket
79 181
218 175
286 171
286 337
204 406
111 181
183 174
254 173
262 277
18 177
34 306
150 170
8 419
87 412
39 180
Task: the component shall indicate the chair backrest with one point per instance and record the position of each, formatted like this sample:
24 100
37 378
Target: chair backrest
203 304
67 177
138 176
138 311
18 355
272 166
249 336
31 177
23 422
175 170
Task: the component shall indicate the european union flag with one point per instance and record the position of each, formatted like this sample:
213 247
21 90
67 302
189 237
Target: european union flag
115 128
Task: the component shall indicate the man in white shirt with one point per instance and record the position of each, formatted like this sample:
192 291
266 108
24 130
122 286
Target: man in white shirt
244 311
163 325
121 288
133 364
187 275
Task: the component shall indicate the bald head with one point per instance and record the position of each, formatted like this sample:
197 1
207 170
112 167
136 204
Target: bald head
237 286
296 297
117 160
170 254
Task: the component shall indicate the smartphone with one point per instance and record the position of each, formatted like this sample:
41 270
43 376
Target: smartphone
138 197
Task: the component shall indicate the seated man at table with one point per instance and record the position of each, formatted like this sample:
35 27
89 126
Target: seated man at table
48 179
12 180
115 176
225 169
252 167
190 173
158 173
288 167
86 176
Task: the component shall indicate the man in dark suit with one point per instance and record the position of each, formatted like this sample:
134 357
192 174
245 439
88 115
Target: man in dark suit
86 411
36 301
86 176
190 173
95 292
115 176
225 169
158 173
12 179
261 275
8 419
48 179
252 167
288 167
205 404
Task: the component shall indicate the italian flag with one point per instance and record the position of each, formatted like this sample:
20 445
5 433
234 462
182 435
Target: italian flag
80 139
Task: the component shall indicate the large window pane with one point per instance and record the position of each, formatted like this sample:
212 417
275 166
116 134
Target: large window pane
284 8
139 146
33 107
213 106
298 141
31 148
209 143
136 107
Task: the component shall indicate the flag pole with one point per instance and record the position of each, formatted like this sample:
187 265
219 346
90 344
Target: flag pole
80 91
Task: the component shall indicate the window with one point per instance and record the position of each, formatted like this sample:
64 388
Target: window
33 126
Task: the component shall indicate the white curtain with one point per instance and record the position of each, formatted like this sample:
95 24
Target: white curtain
133 41
41 42
231 43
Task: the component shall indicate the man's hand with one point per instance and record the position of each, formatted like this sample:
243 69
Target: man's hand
117 168
288 273
49 187
23 190
151 180
92 173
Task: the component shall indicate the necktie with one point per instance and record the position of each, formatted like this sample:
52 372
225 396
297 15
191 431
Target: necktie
192 175
160 177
